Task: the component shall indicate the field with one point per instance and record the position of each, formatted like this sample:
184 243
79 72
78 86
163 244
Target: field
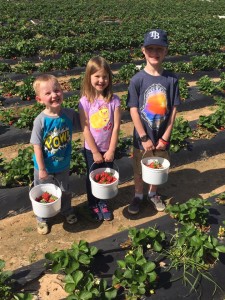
59 37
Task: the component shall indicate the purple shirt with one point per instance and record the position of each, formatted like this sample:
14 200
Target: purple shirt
101 120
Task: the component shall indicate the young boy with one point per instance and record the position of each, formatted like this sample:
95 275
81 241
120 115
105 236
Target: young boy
51 137
153 95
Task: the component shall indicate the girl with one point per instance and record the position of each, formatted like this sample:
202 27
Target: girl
100 116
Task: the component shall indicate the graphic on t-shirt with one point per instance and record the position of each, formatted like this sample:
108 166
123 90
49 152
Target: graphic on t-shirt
56 139
155 106
100 118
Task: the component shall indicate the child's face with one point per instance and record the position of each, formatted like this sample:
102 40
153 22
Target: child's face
100 81
154 54
50 94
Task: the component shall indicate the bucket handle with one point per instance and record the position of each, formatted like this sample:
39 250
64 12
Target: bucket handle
52 177
114 163
153 151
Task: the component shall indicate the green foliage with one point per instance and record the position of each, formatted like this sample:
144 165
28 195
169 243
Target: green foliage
77 163
27 116
150 238
193 211
6 292
18 171
181 132
135 274
206 85
25 90
183 87
80 256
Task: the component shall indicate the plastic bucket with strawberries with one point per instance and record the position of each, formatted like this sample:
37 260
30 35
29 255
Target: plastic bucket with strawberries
48 209
104 182
155 170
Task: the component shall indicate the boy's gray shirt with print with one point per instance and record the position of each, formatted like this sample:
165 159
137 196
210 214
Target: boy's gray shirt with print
154 96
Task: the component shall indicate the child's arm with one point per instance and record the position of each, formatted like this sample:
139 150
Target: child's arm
88 136
109 155
148 145
40 161
162 143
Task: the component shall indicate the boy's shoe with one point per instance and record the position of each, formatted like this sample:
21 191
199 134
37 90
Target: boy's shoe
134 206
42 227
106 213
157 202
71 219
96 212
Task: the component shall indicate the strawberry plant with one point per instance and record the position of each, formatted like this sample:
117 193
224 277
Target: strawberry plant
6 284
193 211
27 116
8 87
77 163
193 251
25 90
79 257
135 274
206 85
18 171
183 88
181 131
148 238
25 67
84 285
8 116
4 67
123 146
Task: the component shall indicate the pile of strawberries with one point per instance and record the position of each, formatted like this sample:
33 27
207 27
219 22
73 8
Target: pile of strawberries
46 198
155 165
104 178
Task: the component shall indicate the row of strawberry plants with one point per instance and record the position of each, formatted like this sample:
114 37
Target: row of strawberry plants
69 61
138 274
21 37
19 170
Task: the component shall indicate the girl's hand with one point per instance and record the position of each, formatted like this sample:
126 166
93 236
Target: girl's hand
148 146
98 157
43 174
108 156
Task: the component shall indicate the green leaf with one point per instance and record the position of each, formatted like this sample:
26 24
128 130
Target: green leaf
220 248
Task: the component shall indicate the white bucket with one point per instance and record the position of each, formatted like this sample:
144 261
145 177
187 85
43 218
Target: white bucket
46 210
104 191
155 176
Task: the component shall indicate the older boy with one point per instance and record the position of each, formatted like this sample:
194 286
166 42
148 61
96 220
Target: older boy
51 137
153 95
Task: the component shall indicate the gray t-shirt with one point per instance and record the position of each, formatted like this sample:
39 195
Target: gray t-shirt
54 135
154 96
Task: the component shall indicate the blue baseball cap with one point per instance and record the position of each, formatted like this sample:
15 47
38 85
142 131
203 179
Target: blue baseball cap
156 37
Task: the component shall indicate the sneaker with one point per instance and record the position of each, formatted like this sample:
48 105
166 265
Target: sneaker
96 213
134 207
71 219
106 213
157 202
42 227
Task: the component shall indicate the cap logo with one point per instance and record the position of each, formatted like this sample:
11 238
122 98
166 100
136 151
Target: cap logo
154 35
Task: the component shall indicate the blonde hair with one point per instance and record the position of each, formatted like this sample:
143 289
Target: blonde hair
94 65
43 78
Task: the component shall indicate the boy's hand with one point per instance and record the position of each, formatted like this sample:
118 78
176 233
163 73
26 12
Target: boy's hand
43 174
98 157
109 156
160 145
148 146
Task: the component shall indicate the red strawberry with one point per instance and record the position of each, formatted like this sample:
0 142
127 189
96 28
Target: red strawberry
97 177
46 196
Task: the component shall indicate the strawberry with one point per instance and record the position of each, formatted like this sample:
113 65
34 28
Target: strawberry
46 196
97 177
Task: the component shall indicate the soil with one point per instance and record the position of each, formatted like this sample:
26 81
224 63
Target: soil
21 245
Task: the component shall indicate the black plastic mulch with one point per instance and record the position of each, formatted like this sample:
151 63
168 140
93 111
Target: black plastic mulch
110 251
